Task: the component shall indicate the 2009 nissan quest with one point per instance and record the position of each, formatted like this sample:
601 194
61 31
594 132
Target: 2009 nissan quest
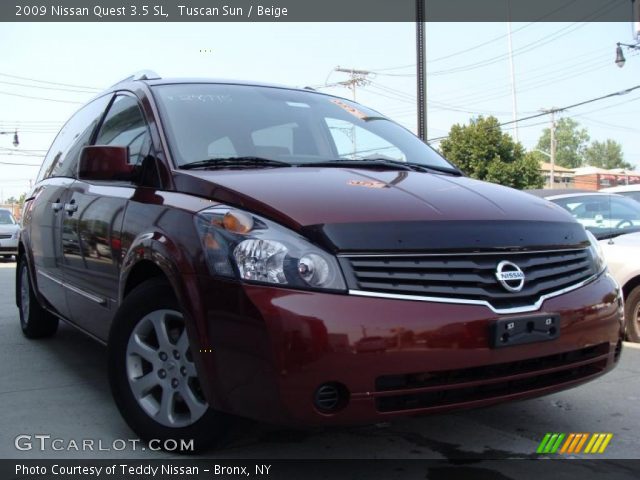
297 258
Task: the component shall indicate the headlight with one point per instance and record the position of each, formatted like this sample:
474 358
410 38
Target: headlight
15 234
596 253
241 245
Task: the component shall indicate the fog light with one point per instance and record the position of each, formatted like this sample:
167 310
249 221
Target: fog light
331 397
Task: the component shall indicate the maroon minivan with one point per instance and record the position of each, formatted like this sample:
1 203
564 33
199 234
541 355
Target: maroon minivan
297 258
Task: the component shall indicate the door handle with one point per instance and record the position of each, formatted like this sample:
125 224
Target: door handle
56 206
71 207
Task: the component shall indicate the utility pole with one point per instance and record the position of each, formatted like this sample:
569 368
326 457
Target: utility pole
552 147
421 73
514 105
357 78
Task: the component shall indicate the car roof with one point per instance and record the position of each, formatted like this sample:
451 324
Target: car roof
622 188
550 192
151 79
568 193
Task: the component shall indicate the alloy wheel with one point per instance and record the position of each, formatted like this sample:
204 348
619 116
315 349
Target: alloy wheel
161 372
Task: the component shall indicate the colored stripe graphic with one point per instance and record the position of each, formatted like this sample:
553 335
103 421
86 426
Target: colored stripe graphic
605 443
592 441
597 443
550 443
582 442
570 439
543 443
556 445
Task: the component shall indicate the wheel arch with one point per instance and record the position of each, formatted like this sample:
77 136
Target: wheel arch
154 255
630 285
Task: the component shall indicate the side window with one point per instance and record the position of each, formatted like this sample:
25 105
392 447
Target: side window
62 158
125 126
355 142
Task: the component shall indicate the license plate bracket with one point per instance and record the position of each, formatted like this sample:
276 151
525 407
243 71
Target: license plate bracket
508 332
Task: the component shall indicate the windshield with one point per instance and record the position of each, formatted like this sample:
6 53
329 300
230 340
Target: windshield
209 121
604 215
6 218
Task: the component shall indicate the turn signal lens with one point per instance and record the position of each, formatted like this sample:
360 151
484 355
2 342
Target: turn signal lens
237 222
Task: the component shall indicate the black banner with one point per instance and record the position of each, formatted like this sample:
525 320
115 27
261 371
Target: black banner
314 10
318 469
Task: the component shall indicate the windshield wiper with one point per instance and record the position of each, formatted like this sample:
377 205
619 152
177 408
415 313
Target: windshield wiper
436 168
368 163
235 162
385 162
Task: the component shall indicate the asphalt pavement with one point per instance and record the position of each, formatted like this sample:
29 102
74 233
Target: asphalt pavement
58 387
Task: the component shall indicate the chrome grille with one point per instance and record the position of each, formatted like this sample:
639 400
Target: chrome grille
468 276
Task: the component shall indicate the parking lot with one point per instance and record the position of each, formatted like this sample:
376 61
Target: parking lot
58 387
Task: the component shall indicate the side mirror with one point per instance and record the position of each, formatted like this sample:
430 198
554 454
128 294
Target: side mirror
101 162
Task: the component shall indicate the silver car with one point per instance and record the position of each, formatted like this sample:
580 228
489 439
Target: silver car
9 230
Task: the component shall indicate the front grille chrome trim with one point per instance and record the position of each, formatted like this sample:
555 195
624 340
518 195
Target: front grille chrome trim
461 301
457 254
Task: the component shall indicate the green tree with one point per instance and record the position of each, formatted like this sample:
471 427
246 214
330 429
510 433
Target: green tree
483 151
607 154
571 143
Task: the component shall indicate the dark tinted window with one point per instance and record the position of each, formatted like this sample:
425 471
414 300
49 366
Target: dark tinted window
215 120
62 158
125 126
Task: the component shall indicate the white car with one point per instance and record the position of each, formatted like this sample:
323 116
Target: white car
631 191
615 221
9 230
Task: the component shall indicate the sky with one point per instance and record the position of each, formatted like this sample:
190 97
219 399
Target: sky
49 70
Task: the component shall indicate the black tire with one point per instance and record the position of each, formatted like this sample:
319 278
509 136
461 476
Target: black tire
36 322
142 304
632 315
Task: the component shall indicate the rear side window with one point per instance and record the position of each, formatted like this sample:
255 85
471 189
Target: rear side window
125 126
62 158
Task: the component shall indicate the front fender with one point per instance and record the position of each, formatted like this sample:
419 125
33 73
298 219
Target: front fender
166 255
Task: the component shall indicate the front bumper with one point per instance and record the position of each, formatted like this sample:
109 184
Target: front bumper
263 351
8 246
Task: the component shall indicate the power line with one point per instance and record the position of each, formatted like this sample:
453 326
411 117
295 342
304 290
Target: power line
39 98
50 83
19 164
579 104
535 44
474 47
48 88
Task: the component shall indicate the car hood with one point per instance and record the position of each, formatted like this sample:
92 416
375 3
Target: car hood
351 200
5 229
625 239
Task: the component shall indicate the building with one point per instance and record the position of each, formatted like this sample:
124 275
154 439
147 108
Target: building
563 177
594 178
